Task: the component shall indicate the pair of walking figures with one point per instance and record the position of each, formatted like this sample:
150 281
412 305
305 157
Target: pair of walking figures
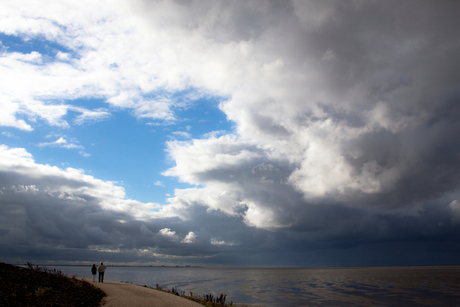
101 270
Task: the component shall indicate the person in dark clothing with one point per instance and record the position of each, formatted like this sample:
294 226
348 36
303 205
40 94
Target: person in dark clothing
94 272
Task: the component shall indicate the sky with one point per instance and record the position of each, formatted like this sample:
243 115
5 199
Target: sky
230 133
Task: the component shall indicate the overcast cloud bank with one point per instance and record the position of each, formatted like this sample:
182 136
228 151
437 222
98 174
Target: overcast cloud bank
345 145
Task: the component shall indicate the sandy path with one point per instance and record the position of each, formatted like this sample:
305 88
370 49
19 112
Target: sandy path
123 295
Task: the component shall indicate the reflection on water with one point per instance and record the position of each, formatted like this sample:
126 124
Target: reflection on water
385 286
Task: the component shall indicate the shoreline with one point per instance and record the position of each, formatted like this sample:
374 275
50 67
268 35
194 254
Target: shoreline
246 268
125 294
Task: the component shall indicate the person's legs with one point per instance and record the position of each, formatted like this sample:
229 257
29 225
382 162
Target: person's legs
102 277
94 277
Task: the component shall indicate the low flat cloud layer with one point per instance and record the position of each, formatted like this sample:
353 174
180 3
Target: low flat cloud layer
345 147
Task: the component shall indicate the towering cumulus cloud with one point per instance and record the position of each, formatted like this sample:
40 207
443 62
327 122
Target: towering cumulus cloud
344 148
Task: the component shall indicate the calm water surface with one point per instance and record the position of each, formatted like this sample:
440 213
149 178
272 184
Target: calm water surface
383 286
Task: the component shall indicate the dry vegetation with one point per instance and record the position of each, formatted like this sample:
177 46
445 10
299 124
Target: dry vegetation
39 286
207 300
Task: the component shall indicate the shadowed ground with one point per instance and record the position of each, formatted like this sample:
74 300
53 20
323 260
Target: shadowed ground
38 286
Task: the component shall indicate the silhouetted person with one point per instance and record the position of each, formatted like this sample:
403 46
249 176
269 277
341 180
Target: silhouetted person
94 272
101 270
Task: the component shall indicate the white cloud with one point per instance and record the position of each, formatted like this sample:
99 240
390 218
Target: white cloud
84 154
182 134
55 182
169 234
201 155
215 241
261 217
189 238
63 56
8 116
61 142
159 183
342 120
90 115
103 64
8 134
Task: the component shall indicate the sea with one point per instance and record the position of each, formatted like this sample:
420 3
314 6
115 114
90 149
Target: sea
273 287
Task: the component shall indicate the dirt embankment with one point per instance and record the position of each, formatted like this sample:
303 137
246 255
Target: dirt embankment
38 286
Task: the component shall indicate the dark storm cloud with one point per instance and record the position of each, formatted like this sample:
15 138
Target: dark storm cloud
345 149
52 220
357 128
41 226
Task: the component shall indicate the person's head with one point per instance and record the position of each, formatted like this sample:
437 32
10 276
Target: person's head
94 264
102 263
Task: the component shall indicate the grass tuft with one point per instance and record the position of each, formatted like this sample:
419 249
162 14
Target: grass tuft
207 300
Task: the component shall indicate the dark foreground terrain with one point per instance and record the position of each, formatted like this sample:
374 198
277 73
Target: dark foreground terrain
38 286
